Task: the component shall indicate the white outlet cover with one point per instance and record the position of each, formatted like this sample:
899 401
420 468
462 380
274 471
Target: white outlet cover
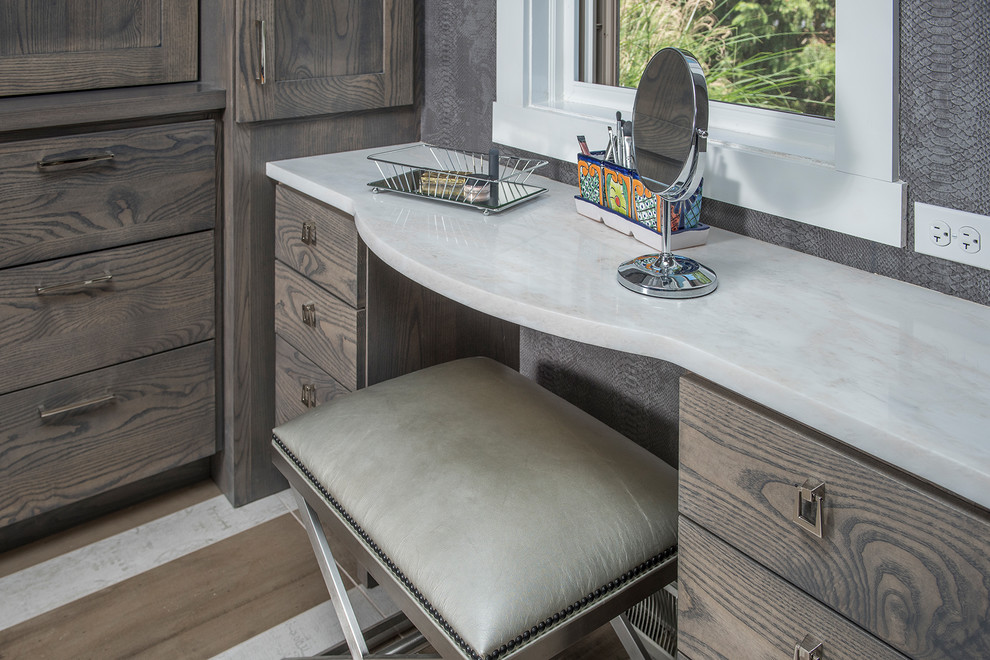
926 215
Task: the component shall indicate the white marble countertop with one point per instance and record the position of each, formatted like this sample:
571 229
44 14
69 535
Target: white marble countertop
898 371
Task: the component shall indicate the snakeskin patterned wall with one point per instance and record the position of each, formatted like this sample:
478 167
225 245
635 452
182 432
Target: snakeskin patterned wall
944 157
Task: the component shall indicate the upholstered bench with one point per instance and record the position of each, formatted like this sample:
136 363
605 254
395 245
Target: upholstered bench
503 521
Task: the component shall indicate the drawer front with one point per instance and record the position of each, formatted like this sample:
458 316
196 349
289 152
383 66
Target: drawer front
68 195
293 372
321 243
332 337
728 606
68 440
63 317
896 557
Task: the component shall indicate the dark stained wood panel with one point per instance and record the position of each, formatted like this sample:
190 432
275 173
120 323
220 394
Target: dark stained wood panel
292 371
729 608
319 38
411 327
334 258
161 296
68 26
281 73
162 415
898 558
335 340
160 181
68 45
20 113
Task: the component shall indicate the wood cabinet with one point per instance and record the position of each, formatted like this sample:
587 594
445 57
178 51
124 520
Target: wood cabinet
344 319
299 58
107 311
895 558
320 280
66 45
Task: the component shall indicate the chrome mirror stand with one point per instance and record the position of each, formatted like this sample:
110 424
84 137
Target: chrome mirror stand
667 275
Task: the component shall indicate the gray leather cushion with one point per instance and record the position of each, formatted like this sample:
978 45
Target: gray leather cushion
502 503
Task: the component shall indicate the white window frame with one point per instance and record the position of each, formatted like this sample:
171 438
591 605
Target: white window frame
840 175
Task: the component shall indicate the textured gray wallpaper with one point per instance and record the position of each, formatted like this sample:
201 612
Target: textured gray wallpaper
944 157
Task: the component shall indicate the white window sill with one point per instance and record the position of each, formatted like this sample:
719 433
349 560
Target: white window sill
804 189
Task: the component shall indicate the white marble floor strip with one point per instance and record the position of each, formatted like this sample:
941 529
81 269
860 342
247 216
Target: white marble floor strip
309 633
76 574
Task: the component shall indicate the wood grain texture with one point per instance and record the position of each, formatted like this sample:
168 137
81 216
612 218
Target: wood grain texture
244 469
336 261
78 25
730 607
22 113
103 527
305 76
306 50
906 563
411 327
161 297
70 516
162 417
335 343
92 44
160 182
196 606
292 371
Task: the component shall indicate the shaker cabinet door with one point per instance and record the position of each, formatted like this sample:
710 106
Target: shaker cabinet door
68 45
301 58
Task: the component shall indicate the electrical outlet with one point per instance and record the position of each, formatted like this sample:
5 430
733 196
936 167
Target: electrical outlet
940 233
970 239
951 234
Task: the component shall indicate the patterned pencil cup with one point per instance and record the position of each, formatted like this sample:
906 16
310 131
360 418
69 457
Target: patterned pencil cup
590 178
620 190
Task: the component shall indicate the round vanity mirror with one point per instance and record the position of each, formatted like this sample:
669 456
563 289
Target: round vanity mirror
670 131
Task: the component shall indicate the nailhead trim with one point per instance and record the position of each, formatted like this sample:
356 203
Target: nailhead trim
511 644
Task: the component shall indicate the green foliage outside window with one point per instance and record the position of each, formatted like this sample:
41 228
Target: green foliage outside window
777 54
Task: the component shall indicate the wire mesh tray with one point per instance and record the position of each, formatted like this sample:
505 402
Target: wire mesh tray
488 182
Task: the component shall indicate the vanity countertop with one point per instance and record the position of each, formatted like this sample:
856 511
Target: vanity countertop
895 370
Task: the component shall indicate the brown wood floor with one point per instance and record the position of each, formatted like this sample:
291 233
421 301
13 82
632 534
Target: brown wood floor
194 606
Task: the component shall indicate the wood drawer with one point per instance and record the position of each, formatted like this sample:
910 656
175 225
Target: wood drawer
293 370
333 340
903 561
160 181
160 297
332 255
162 416
728 606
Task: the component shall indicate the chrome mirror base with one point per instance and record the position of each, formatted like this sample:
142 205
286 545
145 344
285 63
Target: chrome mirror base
667 276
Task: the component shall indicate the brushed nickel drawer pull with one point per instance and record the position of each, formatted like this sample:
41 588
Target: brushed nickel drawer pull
309 395
53 164
309 234
309 314
263 54
809 649
73 407
58 288
808 506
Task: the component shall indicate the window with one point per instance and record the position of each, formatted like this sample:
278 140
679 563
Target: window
837 174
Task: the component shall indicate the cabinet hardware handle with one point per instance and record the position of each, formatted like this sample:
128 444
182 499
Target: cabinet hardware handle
309 395
809 649
52 164
309 314
262 52
73 407
58 288
808 506
309 234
